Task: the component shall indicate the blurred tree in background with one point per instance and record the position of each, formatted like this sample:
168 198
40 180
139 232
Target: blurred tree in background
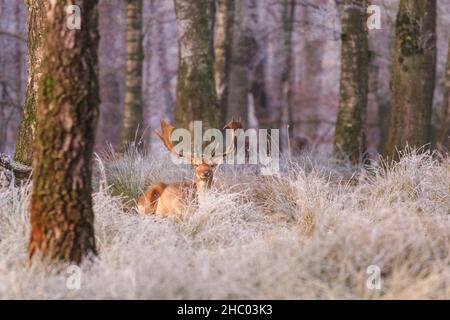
350 138
196 97
132 127
413 76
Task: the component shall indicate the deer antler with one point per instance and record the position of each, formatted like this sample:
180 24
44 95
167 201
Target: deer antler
233 125
166 133
165 136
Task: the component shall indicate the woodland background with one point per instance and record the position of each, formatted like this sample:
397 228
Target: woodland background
257 65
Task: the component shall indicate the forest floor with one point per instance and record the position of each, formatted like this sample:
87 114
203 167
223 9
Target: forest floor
318 230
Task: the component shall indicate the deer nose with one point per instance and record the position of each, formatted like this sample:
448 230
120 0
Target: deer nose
206 174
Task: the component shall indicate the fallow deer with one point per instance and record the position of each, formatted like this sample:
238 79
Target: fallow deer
169 199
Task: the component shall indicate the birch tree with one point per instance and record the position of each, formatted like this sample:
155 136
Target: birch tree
133 112
222 52
196 93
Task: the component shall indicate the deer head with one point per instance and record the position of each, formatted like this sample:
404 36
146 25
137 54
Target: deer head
203 165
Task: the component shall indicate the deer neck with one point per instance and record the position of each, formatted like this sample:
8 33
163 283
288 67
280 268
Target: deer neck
202 185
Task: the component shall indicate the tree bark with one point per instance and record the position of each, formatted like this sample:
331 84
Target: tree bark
61 211
163 65
244 49
36 33
287 73
443 142
265 113
196 96
222 52
132 127
349 135
413 76
17 171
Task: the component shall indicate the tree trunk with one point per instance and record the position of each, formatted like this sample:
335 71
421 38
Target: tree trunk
443 142
287 73
133 112
413 76
349 134
265 113
36 34
163 65
222 52
309 97
196 95
61 204
244 49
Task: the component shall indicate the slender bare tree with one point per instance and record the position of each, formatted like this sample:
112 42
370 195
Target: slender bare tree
350 136
133 112
222 52
287 72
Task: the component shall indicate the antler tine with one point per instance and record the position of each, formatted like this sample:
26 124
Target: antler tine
165 136
233 125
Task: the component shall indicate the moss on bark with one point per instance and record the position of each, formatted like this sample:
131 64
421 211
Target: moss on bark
61 212
196 94
27 129
350 126
413 76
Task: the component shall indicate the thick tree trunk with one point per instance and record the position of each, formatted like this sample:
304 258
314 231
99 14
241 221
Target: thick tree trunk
222 52
413 76
443 142
196 95
133 112
350 135
36 34
244 49
61 204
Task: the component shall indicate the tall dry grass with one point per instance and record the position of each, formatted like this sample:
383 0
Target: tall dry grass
310 232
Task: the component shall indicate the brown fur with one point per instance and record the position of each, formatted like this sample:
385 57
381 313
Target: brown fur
170 199
149 200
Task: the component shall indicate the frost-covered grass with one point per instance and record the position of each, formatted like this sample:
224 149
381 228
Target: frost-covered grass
311 232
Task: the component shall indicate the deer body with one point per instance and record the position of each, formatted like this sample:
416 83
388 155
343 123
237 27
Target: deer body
169 199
